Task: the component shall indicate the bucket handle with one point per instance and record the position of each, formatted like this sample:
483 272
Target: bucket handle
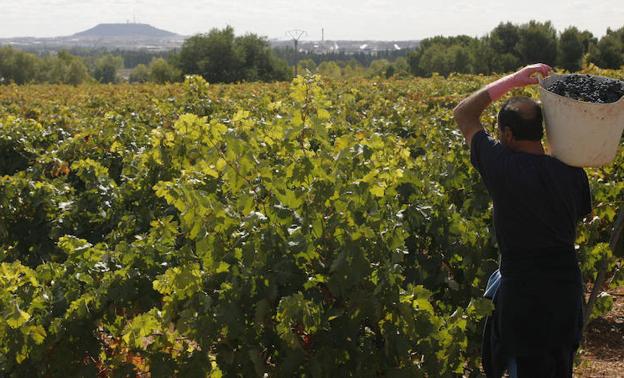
540 78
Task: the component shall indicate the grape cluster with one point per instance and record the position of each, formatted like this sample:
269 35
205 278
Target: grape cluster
588 88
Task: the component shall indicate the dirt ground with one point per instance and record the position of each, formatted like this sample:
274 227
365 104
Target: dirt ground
602 353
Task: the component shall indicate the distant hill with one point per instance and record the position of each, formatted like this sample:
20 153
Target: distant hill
143 31
132 36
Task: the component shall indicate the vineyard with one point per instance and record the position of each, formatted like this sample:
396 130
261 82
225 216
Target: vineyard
316 228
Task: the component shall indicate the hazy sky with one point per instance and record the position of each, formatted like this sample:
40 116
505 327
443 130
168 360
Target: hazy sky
342 19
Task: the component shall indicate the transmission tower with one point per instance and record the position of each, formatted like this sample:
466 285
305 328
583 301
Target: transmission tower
296 35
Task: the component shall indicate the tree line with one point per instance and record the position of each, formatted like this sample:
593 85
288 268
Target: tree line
509 46
219 56
222 57
340 57
21 67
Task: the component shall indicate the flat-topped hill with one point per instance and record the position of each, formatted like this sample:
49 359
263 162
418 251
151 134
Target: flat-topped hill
124 31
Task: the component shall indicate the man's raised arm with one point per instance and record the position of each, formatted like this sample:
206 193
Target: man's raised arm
468 112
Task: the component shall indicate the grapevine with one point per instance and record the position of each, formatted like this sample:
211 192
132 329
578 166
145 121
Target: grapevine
317 228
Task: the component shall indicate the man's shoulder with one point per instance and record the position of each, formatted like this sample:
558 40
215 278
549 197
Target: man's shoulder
484 144
565 168
480 137
563 175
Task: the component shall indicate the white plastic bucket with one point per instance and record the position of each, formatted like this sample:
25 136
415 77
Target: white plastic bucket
581 134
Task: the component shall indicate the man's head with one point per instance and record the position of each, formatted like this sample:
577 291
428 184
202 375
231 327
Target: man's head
520 119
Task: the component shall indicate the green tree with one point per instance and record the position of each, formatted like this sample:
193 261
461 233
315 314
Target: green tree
106 68
378 68
571 49
504 38
503 41
401 67
17 66
435 59
51 70
443 55
212 56
537 43
588 40
459 59
609 51
77 72
330 69
506 62
258 61
220 56
353 69
161 71
307 64
140 74
445 59
413 59
62 68
483 56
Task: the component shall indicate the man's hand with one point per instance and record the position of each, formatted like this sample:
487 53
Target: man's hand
521 78
525 76
468 112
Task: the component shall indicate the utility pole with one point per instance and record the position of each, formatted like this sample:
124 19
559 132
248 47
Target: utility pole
296 35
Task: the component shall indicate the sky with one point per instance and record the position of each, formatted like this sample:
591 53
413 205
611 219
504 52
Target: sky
341 19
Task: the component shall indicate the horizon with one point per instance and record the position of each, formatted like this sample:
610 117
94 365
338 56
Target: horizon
284 38
379 20
161 29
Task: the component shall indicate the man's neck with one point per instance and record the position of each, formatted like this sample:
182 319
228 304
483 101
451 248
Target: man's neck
528 146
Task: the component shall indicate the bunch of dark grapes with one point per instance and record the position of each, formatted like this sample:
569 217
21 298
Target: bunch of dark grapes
587 88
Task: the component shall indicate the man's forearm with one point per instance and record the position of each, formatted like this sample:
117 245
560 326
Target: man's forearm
468 112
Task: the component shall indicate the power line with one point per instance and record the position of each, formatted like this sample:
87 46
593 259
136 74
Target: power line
296 35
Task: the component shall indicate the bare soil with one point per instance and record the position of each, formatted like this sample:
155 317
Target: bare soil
602 352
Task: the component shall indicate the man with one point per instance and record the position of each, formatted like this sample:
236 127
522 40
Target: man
538 201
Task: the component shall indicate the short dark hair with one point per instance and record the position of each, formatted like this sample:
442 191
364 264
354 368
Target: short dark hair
525 124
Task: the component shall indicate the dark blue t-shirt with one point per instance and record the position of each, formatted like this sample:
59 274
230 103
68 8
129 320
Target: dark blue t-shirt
538 201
